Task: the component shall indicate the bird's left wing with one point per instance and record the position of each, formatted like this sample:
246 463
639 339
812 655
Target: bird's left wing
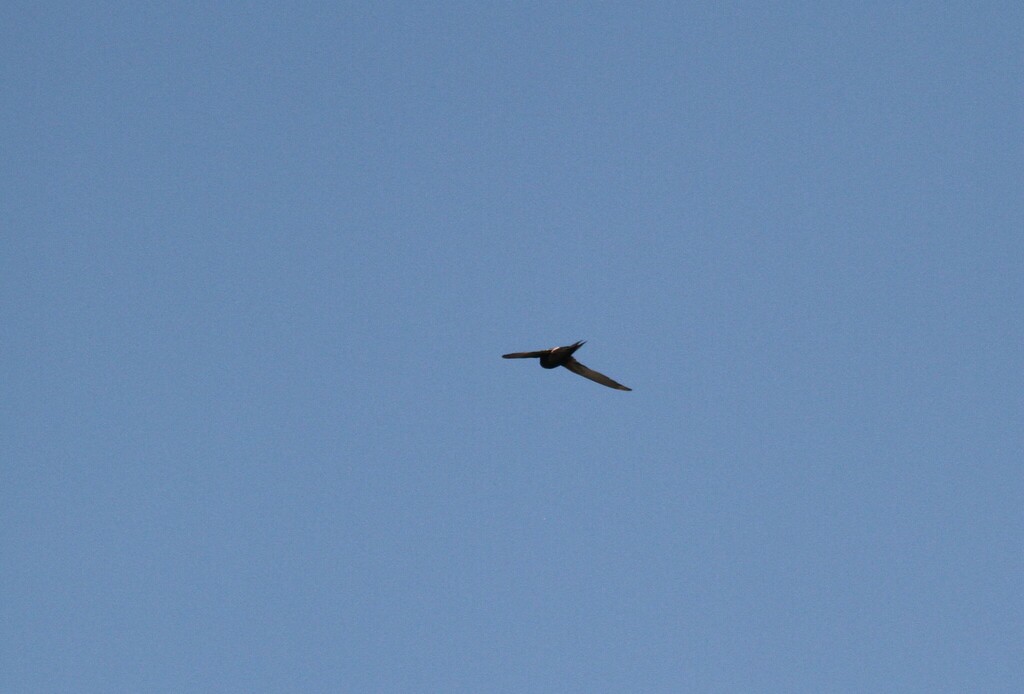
578 368
524 355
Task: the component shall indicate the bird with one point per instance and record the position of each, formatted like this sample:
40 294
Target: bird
562 356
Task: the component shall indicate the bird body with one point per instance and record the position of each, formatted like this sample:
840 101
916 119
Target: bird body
562 356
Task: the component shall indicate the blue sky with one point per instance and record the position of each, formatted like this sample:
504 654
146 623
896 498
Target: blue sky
259 264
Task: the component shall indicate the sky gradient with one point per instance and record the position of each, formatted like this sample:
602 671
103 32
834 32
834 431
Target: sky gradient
259 264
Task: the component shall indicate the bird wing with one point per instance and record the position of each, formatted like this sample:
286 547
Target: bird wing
578 368
524 355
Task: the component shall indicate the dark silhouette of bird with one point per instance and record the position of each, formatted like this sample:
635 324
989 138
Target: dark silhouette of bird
562 356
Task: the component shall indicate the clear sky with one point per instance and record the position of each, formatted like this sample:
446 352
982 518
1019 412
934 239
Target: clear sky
259 264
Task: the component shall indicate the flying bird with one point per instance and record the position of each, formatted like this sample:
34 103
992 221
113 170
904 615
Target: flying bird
562 356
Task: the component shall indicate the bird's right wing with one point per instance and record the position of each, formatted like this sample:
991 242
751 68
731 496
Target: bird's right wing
578 368
524 355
